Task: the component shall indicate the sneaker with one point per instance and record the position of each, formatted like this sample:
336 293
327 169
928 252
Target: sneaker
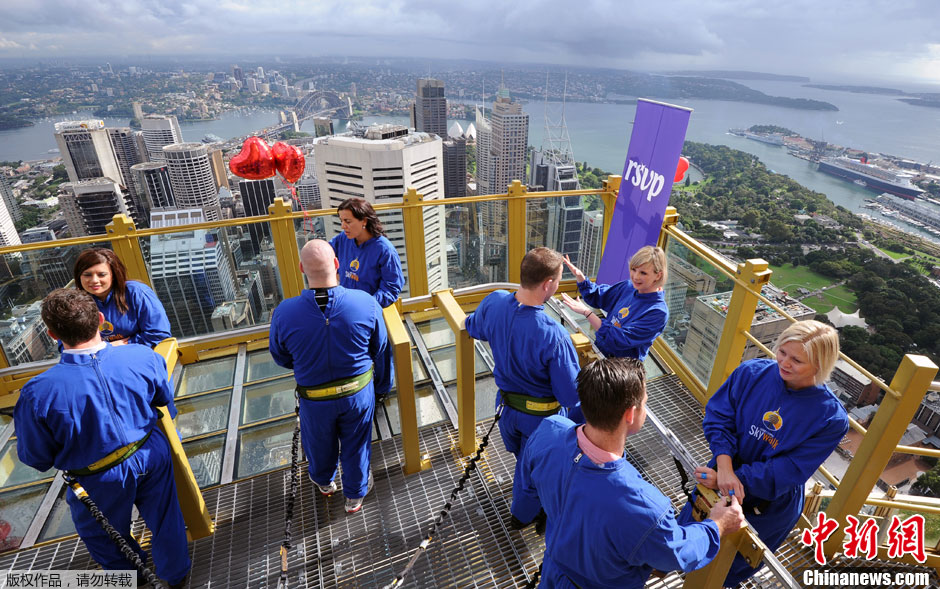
326 490
354 505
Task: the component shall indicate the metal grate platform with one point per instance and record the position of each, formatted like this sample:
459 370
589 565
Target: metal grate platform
474 547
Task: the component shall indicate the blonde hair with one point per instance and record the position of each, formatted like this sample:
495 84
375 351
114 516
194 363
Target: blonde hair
652 255
819 341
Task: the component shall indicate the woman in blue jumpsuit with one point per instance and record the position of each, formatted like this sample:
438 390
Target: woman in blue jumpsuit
367 259
132 312
635 309
769 427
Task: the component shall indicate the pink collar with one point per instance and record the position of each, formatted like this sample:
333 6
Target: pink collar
596 454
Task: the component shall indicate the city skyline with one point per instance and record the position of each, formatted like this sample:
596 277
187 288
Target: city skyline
866 39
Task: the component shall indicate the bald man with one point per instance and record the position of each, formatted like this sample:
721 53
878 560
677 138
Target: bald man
335 341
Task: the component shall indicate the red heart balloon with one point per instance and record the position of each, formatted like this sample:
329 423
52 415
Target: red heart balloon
680 169
255 161
290 161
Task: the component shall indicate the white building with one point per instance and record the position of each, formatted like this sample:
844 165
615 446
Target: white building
87 151
191 178
160 131
592 234
380 166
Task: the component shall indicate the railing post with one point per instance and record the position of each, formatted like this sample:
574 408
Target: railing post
466 374
884 513
516 237
890 422
670 218
198 522
740 314
124 242
404 380
609 196
813 501
712 576
285 246
584 349
413 218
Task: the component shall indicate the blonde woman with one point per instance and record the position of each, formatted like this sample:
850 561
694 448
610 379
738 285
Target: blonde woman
636 308
769 427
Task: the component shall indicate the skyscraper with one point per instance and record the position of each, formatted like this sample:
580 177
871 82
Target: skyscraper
455 168
484 135
152 182
87 151
431 107
257 195
160 131
89 205
510 138
124 144
191 275
191 178
8 235
6 194
592 233
379 166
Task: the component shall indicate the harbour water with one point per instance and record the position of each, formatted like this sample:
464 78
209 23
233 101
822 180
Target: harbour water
600 133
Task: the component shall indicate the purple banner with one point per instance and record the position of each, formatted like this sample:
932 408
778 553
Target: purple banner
655 146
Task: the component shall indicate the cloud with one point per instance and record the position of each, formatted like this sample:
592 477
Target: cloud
838 38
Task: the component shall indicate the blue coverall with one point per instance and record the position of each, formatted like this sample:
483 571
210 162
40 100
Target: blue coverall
633 319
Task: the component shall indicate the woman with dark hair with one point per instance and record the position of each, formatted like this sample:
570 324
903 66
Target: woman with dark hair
132 312
367 259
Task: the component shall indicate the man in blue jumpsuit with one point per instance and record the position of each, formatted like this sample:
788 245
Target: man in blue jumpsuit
536 366
607 527
335 341
93 415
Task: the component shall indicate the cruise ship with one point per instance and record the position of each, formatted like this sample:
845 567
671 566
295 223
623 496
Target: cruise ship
772 139
875 178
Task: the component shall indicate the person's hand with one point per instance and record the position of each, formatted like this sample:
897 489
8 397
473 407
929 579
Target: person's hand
119 342
577 306
728 515
707 477
579 275
730 484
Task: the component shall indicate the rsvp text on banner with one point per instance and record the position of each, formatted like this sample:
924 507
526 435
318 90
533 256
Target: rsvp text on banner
655 146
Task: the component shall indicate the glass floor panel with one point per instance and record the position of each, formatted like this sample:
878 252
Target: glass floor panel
17 508
59 523
264 448
205 458
206 376
13 472
260 365
268 399
429 409
204 414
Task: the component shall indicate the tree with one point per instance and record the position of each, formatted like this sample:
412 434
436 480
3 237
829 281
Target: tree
59 174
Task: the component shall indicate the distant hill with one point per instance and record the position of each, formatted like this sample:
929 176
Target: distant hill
739 75
673 87
857 89
11 122
932 102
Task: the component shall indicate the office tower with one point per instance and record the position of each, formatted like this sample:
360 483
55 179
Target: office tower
430 110
484 135
323 126
152 182
308 192
219 169
124 144
191 273
138 111
89 205
6 195
87 151
708 319
257 195
510 138
191 178
252 85
160 131
260 71
8 235
684 279
237 73
380 166
24 335
455 168
592 233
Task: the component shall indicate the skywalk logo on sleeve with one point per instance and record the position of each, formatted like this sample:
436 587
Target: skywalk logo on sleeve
773 422
353 272
617 321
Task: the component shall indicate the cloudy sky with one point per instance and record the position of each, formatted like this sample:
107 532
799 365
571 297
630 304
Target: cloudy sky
877 40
